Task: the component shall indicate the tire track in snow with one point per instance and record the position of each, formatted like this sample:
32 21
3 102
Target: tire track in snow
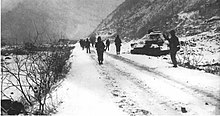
162 104
122 100
193 107
199 93
131 102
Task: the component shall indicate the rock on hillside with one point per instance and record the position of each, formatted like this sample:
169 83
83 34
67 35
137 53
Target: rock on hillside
133 18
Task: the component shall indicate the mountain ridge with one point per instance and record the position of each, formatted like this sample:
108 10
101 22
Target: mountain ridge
133 18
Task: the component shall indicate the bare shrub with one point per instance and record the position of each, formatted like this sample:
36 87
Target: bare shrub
34 76
189 56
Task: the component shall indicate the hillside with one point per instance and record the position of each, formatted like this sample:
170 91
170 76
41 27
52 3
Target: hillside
133 18
73 19
197 23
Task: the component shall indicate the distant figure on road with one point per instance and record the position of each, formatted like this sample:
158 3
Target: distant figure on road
174 47
87 45
100 48
92 40
107 44
82 43
118 44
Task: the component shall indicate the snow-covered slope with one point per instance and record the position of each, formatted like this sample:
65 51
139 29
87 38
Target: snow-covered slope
196 22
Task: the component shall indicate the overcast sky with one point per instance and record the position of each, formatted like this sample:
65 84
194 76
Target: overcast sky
80 17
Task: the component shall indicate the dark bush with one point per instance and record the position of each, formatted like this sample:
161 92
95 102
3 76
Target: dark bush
15 51
29 46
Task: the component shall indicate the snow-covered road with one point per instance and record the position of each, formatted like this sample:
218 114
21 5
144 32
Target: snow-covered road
126 85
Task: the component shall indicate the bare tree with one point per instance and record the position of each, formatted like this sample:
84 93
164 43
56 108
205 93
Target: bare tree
34 75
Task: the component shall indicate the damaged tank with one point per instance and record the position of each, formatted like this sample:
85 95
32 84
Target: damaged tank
153 44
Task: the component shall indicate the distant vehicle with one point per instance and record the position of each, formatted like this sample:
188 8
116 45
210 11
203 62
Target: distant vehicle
153 44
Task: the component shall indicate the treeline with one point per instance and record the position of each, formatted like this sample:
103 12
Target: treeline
29 47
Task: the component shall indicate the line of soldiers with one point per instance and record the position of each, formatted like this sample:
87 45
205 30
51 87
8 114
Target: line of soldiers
85 44
100 46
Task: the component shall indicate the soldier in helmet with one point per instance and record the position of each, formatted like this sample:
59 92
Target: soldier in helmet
100 48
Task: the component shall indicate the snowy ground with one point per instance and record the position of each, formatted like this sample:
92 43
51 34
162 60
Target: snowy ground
135 85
